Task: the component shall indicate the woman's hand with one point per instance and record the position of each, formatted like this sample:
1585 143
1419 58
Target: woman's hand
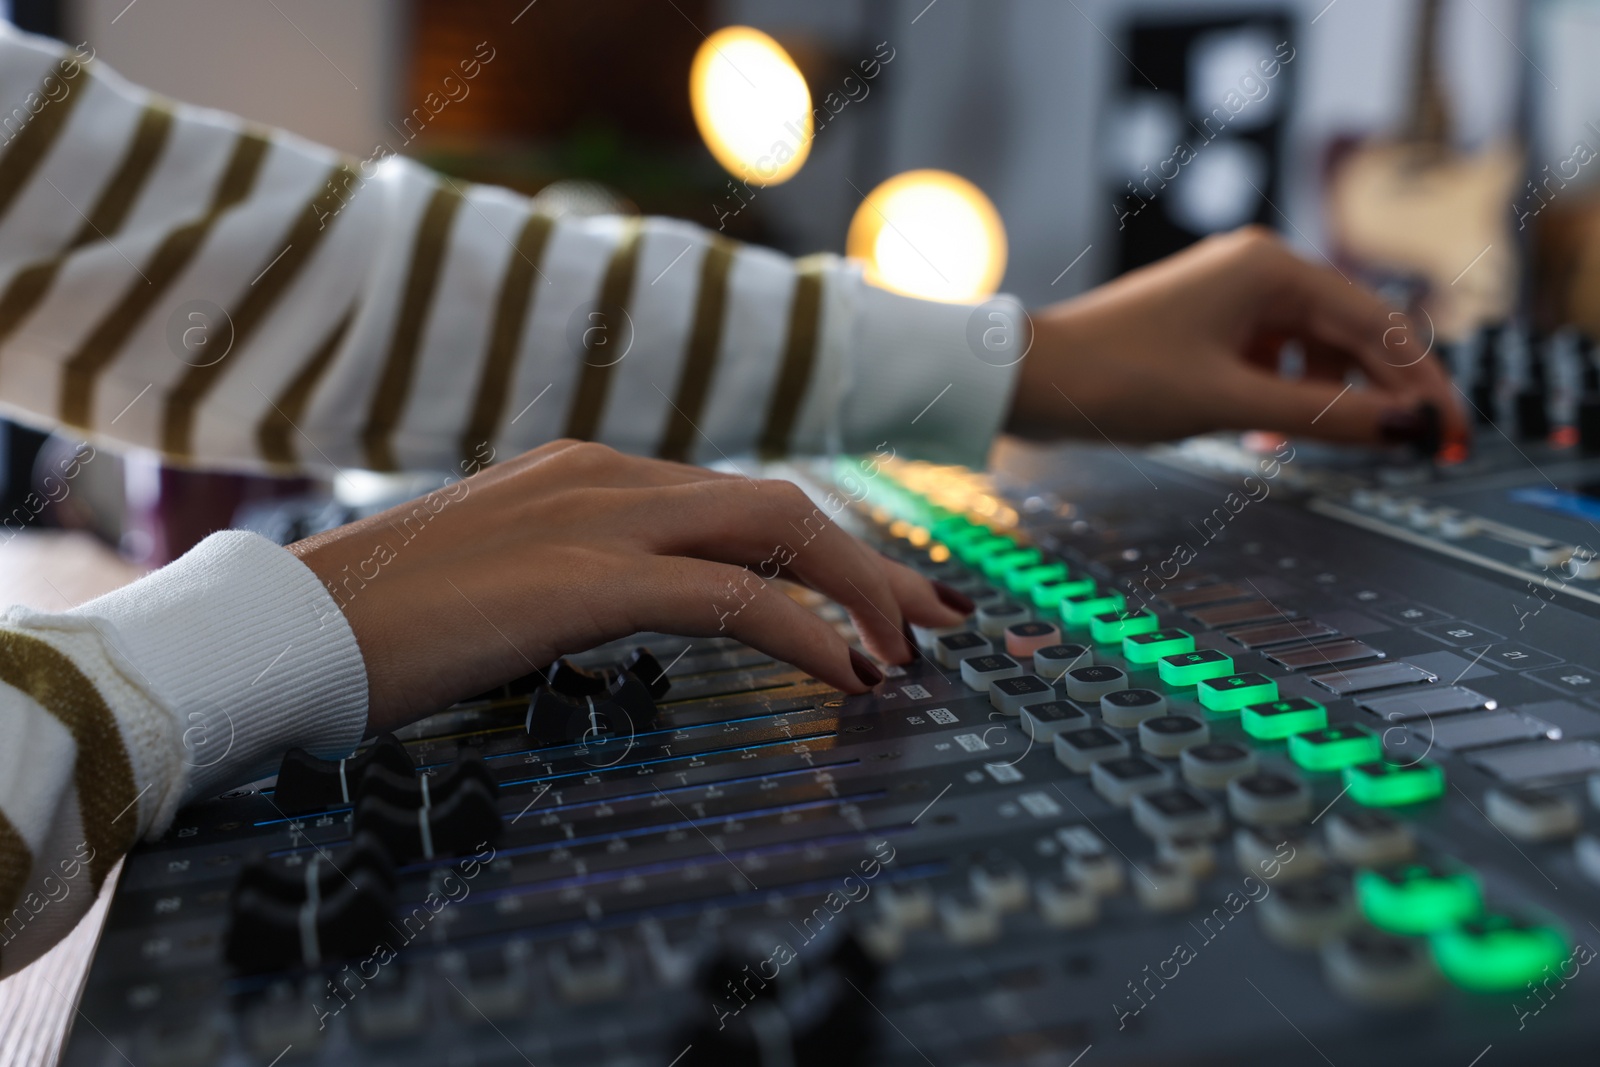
573 544
1191 344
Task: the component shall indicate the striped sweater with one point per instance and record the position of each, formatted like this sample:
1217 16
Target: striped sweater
174 279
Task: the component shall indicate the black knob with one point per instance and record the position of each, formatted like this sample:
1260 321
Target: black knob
1533 398
841 950
1449 354
1588 373
318 876
814 998
415 791
266 933
643 665
461 823
306 783
623 709
1486 377
1429 437
1588 414
573 681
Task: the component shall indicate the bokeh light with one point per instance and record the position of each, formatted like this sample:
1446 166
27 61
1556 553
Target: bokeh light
931 234
752 105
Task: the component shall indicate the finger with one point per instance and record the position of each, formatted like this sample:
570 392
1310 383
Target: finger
522 460
774 527
699 598
1330 410
1329 363
1322 307
599 466
921 600
1326 362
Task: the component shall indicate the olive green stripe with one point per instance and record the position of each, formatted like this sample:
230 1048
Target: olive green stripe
279 270
512 311
117 198
700 362
277 424
799 359
169 260
594 378
427 261
102 775
16 862
38 135
33 282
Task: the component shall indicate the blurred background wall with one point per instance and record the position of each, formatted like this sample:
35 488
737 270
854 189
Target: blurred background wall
332 70
1011 94
1400 140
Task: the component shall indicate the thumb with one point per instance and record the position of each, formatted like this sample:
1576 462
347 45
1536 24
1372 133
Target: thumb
1330 411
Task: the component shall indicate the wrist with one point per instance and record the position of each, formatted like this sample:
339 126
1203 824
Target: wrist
1037 394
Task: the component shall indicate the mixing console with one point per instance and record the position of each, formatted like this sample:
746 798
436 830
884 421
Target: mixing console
1242 759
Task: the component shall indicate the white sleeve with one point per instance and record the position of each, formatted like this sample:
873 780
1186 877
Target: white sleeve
192 679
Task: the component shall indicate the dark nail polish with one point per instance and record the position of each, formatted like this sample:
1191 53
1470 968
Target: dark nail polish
911 640
1398 427
1418 427
865 669
953 599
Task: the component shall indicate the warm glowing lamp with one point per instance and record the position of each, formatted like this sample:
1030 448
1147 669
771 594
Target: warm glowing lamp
932 234
751 104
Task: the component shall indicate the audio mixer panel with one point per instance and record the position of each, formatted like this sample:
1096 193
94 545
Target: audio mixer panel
1223 770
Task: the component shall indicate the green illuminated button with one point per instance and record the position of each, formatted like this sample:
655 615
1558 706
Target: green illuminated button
1496 952
1335 747
1021 581
1147 648
958 533
1048 595
951 529
1109 628
1278 719
1418 898
962 542
978 551
1078 610
1192 668
1004 563
1381 784
1233 691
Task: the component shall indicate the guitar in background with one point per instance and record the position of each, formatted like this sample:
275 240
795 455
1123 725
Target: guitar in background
1415 209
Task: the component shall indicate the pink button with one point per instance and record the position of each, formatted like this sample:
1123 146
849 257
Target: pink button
1023 639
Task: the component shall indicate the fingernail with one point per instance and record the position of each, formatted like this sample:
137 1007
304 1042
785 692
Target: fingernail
1398 427
1418 427
953 599
865 669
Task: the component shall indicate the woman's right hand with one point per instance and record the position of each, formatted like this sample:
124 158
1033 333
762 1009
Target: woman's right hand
574 544
1193 343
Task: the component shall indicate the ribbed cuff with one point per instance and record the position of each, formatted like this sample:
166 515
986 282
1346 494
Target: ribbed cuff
249 653
933 380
